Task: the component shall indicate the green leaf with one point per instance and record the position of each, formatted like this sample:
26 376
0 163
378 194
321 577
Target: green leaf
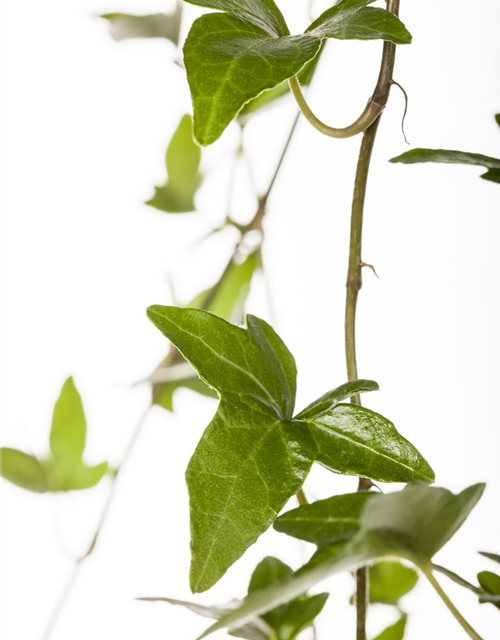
225 72
331 399
412 524
226 299
390 581
63 475
124 26
490 582
395 631
353 440
69 429
325 521
497 119
290 619
235 57
23 470
253 456
492 556
354 21
416 156
263 14
183 162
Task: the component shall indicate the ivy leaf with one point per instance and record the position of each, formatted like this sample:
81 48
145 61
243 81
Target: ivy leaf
234 57
416 156
64 469
396 631
225 299
183 163
354 21
412 524
123 26
490 582
325 521
491 556
331 399
23 470
253 456
290 619
390 581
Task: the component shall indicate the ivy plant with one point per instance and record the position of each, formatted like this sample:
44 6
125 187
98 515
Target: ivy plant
259 448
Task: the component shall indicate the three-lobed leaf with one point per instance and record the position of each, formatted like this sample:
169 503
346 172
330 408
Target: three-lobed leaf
254 455
64 469
183 163
383 534
234 57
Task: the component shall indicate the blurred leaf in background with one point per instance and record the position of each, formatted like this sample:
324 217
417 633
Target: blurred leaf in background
64 469
124 26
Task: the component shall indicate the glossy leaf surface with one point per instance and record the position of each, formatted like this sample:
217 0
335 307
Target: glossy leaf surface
390 581
325 521
253 456
332 398
123 26
64 469
416 156
395 632
383 534
233 57
183 163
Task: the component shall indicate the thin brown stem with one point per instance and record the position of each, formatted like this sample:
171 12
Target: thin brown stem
354 275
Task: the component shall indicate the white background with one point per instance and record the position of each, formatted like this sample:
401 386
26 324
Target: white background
85 123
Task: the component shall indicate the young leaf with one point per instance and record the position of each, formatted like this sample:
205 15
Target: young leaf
253 456
23 470
183 162
396 631
234 57
332 398
490 582
325 521
390 581
416 156
492 556
123 26
69 429
411 524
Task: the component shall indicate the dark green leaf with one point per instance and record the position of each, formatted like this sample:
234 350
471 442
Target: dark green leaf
353 440
395 631
332 398
23 470
253 457
227 71
183 162
69 429
490 582
263 14
325 521
390 581
497 118
159 25
354 21
416 156
411 524
492 556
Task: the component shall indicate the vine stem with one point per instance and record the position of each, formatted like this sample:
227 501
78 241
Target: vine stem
354 276
254 224
455 612
79 561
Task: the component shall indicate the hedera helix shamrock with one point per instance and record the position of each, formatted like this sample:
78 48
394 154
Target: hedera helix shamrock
233 57
256 454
